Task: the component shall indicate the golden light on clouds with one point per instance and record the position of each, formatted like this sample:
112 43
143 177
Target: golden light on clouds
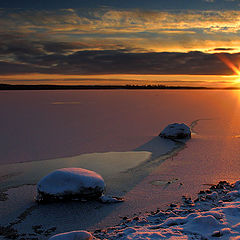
119 46
185 30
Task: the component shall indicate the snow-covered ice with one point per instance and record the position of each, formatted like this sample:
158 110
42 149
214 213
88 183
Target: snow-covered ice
211 215
176 131
74 235
70 183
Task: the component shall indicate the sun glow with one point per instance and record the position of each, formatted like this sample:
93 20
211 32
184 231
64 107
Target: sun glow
231 65
238 80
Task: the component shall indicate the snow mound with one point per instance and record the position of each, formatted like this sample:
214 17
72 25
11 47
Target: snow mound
176 131
70 183
74 235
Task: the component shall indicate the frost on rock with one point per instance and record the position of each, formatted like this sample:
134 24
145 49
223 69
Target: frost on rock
70 184
74 235
176 131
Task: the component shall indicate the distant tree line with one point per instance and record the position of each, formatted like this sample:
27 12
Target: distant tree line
82 87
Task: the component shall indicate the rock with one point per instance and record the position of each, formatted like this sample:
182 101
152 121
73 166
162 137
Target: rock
212 196
74 235
176 131
70 184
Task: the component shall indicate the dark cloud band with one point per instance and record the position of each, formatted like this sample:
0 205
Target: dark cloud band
119 62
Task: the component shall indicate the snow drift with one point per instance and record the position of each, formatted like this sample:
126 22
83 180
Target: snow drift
215 214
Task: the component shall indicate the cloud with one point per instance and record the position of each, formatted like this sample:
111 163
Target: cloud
224 49
17 68
121 62
110 41
70 30
109 21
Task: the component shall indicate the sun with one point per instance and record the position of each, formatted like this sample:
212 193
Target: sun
232 66
237 81
228 62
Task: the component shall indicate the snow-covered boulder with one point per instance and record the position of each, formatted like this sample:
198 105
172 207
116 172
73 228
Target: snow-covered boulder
176 131
74 235
70 183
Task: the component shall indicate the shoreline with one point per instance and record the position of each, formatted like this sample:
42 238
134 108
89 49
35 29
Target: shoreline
212 214
6 87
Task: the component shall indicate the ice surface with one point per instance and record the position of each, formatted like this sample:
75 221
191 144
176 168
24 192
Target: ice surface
176 131
212 156
71 182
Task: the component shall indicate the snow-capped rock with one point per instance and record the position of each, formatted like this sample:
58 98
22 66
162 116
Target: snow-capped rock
176 131
74 235
70 183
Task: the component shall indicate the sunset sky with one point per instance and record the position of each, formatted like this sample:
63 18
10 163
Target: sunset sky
174 42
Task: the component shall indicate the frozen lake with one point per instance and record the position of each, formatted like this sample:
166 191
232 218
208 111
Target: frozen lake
114 132
39 125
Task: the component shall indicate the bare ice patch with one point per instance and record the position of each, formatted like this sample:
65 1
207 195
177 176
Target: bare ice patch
109 165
